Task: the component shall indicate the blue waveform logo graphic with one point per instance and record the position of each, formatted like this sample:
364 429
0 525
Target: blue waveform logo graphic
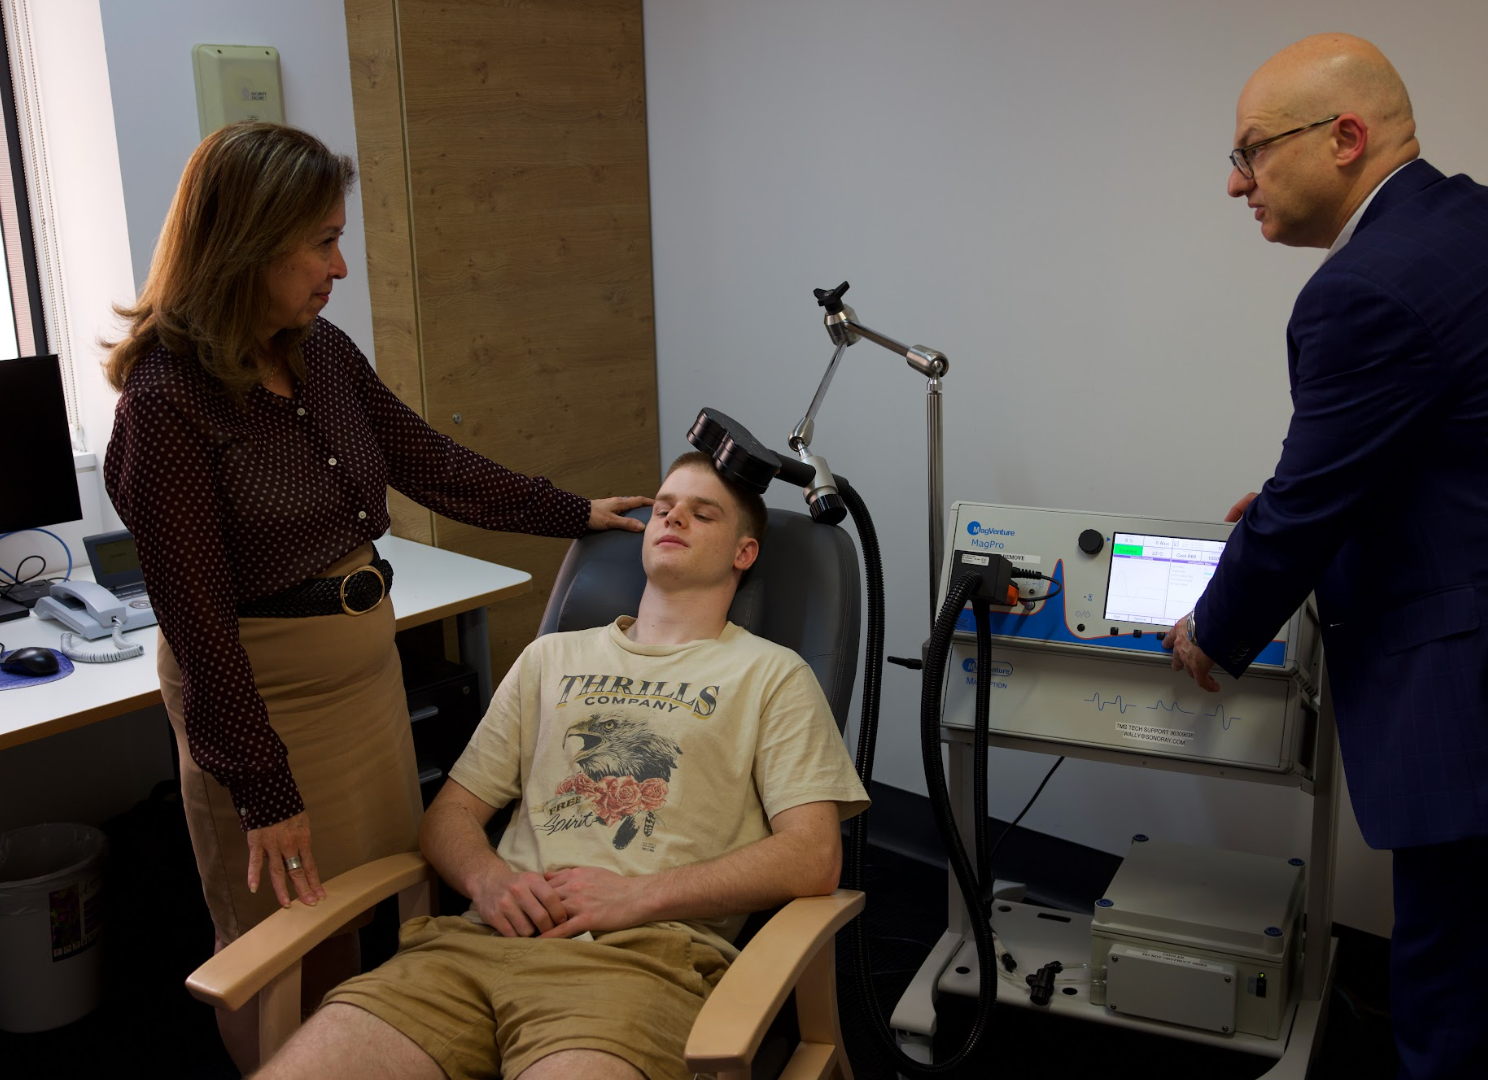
1218 712
1100 703
1224 719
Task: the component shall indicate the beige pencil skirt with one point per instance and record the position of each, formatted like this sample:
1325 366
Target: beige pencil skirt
334 691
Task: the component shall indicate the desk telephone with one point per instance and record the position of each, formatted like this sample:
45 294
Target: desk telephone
88 609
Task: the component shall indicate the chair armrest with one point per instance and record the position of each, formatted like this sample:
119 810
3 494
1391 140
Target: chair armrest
245 967
733 1021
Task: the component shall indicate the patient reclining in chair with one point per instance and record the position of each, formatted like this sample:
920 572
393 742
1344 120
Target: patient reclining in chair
672 773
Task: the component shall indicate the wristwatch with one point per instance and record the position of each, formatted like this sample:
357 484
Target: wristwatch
1190 627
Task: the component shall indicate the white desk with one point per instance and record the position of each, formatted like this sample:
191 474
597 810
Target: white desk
428 584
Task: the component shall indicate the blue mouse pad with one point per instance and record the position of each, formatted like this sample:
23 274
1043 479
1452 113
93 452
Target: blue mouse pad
9 681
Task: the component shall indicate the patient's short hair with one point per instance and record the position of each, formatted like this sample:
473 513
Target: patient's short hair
751 507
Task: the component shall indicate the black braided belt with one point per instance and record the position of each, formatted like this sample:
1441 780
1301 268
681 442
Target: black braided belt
355 594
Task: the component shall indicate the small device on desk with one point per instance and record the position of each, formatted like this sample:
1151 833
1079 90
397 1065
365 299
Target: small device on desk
89 608
30 662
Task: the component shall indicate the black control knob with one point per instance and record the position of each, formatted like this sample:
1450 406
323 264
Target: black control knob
1091 541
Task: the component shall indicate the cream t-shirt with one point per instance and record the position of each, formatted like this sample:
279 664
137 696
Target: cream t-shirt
639 758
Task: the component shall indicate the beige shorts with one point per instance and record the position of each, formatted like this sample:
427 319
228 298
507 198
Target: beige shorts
483 1005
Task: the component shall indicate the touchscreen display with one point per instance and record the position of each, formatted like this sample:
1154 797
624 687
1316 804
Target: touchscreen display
1158 579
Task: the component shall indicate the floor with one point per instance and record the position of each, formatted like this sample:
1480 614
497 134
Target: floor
149 1025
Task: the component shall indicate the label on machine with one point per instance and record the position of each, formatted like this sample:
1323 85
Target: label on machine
1087 666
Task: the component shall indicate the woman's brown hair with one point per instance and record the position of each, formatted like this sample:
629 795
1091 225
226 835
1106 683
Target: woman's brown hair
251 193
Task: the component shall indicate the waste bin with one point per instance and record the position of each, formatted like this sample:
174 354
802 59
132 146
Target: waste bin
51 925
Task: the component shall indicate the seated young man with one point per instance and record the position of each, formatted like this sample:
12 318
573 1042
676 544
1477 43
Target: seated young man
672 773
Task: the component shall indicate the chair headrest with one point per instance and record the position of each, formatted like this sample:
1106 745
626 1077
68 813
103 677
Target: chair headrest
803 592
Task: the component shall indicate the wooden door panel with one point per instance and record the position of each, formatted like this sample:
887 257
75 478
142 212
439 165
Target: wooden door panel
525 251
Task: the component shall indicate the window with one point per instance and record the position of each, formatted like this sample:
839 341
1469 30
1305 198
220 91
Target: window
22 327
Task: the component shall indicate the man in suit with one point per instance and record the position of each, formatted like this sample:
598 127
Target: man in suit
1379 502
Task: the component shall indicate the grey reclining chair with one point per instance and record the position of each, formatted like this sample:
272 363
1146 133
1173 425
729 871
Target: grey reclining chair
802 592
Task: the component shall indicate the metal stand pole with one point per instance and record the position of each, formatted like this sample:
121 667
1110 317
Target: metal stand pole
935 486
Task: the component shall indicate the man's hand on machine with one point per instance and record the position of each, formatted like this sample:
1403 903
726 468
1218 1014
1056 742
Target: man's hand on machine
1238 509
1187 656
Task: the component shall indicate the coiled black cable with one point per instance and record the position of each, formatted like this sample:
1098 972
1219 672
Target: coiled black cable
930 709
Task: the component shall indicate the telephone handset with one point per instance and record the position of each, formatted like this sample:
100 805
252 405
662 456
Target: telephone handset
89 609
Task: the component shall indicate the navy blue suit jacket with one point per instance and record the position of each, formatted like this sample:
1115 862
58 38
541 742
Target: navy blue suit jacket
1380 504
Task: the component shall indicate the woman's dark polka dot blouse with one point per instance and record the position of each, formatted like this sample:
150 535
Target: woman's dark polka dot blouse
230 503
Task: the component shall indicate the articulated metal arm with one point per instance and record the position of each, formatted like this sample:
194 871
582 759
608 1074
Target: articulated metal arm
844 330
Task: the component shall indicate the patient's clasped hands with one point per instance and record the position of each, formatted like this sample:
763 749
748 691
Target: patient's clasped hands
562 903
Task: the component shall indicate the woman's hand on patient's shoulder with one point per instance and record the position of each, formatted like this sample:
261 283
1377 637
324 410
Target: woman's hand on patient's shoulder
607 513
519 904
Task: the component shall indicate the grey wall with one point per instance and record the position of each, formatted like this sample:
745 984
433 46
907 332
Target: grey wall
1037 190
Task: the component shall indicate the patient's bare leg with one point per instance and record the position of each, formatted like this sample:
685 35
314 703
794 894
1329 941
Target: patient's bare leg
343 1040
581 1065
327 965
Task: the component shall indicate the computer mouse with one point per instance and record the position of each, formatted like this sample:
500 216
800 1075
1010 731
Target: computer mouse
30 661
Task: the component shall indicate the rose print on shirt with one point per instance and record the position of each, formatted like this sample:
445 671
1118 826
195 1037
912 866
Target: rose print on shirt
616 797
623 768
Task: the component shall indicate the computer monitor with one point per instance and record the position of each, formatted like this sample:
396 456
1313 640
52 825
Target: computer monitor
38 481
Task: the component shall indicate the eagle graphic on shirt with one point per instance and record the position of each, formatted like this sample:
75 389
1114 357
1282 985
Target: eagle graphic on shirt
623 770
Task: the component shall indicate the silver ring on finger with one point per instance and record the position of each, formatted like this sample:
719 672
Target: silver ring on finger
293 863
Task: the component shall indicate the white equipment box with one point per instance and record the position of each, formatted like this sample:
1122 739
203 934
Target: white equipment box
1200 937
1087 667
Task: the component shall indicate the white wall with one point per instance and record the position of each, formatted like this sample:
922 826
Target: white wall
1037 190
149 59
121 121
145 91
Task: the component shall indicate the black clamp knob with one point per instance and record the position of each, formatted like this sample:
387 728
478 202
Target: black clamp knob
831 299
1091 541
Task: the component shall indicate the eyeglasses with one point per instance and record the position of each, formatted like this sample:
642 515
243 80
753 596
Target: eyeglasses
1240 158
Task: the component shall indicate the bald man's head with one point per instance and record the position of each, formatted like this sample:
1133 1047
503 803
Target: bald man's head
1328 74
1307 185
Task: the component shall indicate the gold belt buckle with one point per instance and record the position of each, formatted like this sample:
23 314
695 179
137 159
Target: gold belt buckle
369 568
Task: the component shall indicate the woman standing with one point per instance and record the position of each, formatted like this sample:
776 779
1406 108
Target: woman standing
252 449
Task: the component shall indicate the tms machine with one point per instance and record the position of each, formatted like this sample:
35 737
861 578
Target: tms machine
1191 942
1047 629
1046 635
